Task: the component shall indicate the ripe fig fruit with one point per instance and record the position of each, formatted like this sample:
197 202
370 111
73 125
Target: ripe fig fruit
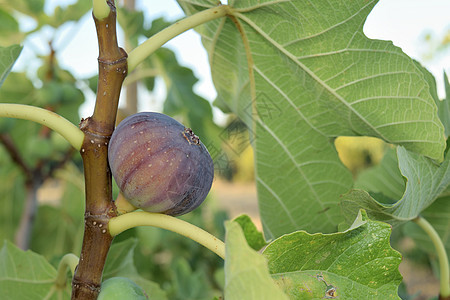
160 165
121 288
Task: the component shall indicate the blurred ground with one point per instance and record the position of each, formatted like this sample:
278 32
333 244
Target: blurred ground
237 198
419 280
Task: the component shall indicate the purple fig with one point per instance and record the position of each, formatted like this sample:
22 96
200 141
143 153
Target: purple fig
160 165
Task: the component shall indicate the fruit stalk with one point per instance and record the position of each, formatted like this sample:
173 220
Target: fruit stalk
141 218
68 261
94 150
45 117
144 50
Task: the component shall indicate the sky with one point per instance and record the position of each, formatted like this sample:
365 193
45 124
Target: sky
405 22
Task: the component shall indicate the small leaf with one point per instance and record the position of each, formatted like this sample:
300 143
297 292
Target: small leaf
253 236
425 182
182 102
10 93
64 223
246 273
189 284
120 263
33 8
9 27
12 193
132 23
71 12
444 106
356 264
157 25
8 56
92 83
384 178
24 274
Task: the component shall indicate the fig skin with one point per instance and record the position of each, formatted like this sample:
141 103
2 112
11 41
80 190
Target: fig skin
121 288
159 165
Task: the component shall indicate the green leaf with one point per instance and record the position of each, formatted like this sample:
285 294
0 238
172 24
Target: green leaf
120 263
132 23
9 27
356 264
92 83
254 238
157 25
24 274
384 178
33 8
425 182
189 284
71 12
306 73
246 273
11 94
8 56
64 222
444 106
12 193
182 102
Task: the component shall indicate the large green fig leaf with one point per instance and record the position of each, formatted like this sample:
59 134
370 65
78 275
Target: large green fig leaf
304 72
356 264
8 56
426 181
27 275
246 273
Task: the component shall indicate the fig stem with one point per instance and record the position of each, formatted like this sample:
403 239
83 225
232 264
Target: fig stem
100 9
152 44
122 205
45 117
140 218
70 261
441 253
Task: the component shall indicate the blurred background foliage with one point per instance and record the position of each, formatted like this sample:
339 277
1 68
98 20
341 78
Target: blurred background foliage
42 187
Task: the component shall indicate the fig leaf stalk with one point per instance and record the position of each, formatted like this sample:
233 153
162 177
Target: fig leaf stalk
444 275
100 9
44 117
145 49
140 218
70 261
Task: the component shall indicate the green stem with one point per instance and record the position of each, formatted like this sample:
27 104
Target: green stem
69 260
45 117
144 50
100 9
141 218
441 253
